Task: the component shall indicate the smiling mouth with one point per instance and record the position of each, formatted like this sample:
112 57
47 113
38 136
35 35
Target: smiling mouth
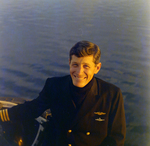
79 78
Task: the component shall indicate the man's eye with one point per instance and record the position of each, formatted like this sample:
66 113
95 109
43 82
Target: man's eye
86 66
74 65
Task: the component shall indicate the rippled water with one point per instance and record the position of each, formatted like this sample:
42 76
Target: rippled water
36 36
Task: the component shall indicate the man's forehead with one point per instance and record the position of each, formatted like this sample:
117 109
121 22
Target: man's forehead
85 59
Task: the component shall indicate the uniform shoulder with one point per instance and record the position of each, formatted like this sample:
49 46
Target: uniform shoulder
109 90
61 78
55 84
104 85
58 80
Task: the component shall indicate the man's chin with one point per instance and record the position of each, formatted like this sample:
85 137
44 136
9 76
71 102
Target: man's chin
80 85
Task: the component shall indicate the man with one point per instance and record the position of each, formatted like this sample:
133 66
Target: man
86 111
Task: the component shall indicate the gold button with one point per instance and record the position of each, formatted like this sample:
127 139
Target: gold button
69 145
69 131
88 133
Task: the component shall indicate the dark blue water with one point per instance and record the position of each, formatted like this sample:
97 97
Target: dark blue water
36 36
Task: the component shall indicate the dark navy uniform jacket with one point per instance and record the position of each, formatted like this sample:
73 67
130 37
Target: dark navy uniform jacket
99 122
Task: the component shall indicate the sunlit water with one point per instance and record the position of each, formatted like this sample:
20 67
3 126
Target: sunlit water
36 36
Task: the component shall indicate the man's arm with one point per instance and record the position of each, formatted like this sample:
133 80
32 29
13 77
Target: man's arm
4 117
117 123
28 110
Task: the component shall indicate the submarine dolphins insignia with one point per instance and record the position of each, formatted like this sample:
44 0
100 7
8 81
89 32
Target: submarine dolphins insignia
99 119
99 113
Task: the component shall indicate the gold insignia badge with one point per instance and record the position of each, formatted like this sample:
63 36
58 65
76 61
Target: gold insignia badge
99 119
99 113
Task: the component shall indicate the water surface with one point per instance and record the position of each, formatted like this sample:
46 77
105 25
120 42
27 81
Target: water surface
36 36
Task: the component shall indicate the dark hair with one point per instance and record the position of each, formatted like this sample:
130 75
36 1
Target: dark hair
85 48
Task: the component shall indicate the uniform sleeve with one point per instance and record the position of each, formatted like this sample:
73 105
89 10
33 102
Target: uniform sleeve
4 117
117 124
28 110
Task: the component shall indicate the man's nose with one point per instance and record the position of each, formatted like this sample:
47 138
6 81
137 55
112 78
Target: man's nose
80 70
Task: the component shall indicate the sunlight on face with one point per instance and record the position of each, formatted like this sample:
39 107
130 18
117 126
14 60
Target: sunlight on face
82 70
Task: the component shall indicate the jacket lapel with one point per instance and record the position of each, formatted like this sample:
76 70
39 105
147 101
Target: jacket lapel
68 105
89 102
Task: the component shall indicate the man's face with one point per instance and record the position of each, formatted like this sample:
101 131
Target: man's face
82 70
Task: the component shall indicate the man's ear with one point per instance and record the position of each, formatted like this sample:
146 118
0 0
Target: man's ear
98 67
69 61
